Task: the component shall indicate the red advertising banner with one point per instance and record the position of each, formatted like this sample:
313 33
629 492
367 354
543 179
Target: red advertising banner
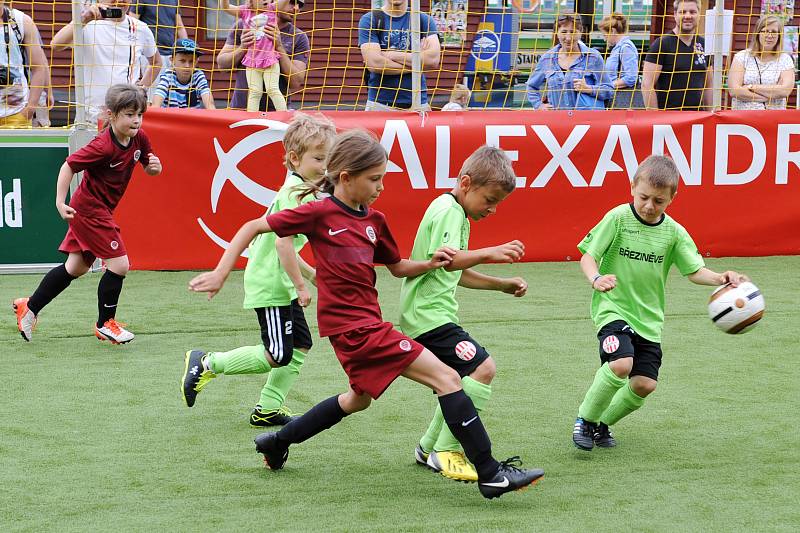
739 193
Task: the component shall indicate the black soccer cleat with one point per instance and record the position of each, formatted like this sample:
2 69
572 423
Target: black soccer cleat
603 437
583 434
508 477
274 455
271 417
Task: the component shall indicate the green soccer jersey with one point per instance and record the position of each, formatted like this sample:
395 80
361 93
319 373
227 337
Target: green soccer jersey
429 301
266 284
640 255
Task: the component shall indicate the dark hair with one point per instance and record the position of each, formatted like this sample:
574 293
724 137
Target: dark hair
353 151
124 96
568 18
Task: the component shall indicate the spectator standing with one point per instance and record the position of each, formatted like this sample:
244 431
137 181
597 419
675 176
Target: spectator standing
762 75
386 48
622 64
183 85
573 73
676 74
113 52
23 68
292 46
163 17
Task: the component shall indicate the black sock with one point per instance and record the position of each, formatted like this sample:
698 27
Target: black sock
322 416
466 426
53 283
107 296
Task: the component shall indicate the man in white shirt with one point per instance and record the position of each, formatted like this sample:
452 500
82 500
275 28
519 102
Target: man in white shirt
113 51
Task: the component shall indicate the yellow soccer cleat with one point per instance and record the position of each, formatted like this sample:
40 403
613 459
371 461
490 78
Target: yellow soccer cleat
453 465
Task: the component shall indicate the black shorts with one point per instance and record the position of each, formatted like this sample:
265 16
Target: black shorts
282 330
455 348
618 340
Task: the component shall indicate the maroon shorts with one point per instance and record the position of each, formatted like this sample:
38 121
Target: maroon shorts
373 356
93 237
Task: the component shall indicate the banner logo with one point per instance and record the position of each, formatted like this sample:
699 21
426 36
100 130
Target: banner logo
228 169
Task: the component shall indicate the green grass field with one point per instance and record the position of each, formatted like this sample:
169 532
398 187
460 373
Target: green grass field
96 437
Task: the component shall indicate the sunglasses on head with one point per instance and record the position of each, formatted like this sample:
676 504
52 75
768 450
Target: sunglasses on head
298 3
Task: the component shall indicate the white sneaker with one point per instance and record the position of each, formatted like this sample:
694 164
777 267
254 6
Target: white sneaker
114 332
26 320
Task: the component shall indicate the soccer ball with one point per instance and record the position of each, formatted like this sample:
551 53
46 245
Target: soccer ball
736 309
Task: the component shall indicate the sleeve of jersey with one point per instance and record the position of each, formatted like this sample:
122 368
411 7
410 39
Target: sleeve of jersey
147 148
445 230
687 256
88 156
386 252
654 53
600 237
294 221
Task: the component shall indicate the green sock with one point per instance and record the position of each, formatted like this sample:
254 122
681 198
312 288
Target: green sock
244 360
599 395
625 402
479 393
280 382
429 438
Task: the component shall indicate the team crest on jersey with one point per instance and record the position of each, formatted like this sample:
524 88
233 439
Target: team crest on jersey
136 155
371 234
610 344
405 345
114 245
465 350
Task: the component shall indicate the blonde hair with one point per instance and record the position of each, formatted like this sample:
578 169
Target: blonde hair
614 21
755 43
305 132
489 166
353 151
660 172
459 91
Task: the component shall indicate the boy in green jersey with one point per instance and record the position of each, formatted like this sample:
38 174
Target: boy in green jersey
274 288
634 243
428 305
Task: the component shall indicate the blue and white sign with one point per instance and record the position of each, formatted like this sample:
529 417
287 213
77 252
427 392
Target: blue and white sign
486 45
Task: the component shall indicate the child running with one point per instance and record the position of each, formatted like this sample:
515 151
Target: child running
108 162
635 246
347 238
274 287
428 304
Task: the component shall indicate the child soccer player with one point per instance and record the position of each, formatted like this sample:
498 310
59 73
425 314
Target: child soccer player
108 162
262 61
274 288
183 85
635 245
428 304
347 238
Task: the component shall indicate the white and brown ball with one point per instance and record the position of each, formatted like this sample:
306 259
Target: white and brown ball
736 309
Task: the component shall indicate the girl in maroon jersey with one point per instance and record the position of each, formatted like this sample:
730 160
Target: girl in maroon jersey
107 163
347 238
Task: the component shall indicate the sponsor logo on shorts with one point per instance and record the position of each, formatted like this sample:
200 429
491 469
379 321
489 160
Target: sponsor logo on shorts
137 154
610 344
465 350
371 234
405 345
114 245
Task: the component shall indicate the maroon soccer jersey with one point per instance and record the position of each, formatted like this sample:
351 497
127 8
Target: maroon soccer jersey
346 243
107 167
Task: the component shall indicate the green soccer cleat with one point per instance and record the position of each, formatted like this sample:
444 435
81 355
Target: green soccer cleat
195 377
271 417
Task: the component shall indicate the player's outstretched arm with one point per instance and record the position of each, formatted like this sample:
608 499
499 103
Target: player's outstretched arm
504 253
288 259
476 280
602 283
212 282
406 268
706 276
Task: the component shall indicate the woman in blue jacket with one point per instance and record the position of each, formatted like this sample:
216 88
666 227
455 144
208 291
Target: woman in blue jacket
571 74
622 64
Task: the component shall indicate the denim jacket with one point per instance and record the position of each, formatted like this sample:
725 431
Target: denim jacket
624 52
560 94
